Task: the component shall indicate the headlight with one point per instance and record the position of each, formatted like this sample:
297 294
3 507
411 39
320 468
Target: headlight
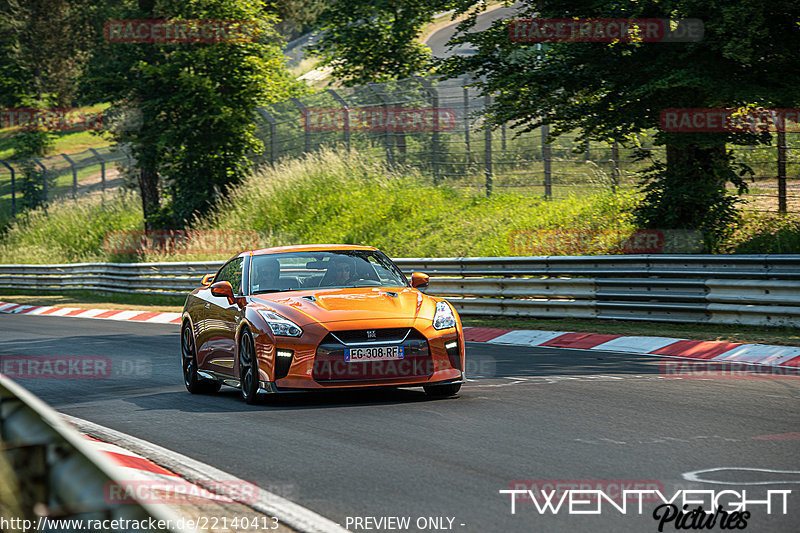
444 317
280 325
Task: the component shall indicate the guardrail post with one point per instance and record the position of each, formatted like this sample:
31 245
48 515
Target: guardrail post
346 110
273 132
487 101
74 176
781 170
102 169
13 189
546 158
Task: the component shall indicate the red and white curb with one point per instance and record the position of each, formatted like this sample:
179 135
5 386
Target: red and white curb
729 352
732 352
138 479
101 314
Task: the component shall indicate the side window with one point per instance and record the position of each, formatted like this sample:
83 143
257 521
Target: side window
232 273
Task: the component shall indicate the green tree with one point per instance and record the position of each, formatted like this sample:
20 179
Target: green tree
372 42
195 101
615 90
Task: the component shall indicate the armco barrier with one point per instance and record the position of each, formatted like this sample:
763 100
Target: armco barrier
746 289
57 471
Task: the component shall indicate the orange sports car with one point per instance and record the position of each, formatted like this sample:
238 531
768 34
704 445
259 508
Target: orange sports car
318 317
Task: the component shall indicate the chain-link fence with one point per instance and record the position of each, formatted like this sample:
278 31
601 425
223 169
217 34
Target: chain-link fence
37 181
431 124
435 125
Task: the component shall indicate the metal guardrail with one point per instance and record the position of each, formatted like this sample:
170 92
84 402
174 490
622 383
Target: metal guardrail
60 476
744 289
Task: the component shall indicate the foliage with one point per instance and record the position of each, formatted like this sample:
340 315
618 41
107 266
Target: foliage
616 90
196 102
373 42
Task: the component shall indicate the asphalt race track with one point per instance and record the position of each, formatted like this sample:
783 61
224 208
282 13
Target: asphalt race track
528 414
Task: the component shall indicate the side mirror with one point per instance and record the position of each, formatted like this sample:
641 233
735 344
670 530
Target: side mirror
223 289
419 280
207 279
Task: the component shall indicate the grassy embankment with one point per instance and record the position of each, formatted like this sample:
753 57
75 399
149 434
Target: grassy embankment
329 197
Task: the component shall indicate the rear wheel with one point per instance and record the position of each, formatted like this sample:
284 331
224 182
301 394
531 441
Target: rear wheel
248 367
442 391
194 383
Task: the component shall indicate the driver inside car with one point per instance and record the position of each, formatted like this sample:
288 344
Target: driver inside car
266 274
340 272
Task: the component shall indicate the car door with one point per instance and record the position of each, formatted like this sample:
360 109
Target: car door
220 319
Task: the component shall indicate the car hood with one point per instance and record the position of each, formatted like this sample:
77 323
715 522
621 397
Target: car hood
335 305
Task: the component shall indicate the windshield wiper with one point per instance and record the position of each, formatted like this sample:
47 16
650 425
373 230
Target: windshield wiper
260 291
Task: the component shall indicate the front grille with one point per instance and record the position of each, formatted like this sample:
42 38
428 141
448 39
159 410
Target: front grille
329 363
358 336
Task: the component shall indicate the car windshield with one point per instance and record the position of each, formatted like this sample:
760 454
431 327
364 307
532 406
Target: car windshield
323 270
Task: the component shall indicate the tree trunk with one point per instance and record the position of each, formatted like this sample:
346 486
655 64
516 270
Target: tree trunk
151 196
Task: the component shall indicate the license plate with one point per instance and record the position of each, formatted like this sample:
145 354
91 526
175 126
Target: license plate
373 353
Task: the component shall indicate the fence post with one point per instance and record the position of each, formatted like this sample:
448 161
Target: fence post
376 88
434 94
346 111
273 127
781 170
307 132
615 166
546 158
44 183
487 101
466 123
102 169
13 189
74 176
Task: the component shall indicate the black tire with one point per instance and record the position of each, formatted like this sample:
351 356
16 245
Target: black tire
194 383
248 368
442 391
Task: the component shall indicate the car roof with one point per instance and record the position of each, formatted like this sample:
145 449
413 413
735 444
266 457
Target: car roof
309 248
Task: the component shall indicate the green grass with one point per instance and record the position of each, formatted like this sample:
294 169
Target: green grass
331 197
63 143
70 231
339 198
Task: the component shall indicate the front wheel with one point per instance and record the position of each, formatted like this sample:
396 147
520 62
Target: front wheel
248 368
442 391
194 383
